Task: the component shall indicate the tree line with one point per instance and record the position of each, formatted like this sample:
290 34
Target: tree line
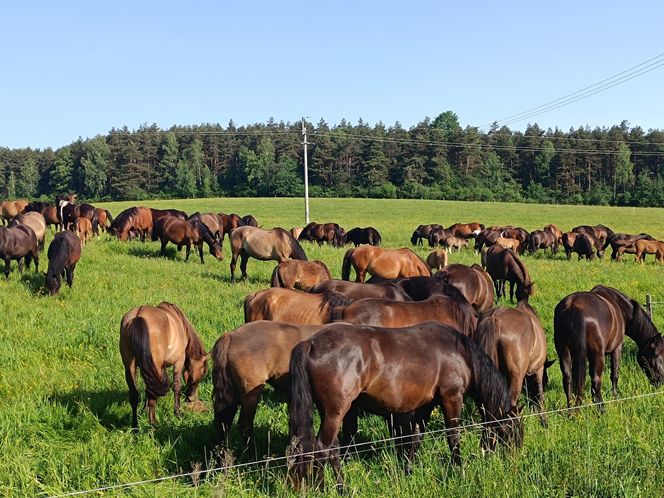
436 159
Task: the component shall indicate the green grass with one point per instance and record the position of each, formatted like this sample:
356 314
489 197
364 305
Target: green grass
64 414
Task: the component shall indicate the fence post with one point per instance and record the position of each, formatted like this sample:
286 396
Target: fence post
649 305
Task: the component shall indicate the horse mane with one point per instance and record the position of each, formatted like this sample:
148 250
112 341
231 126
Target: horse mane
461 312
58 253
641 328
332 300
195 347
522 268
296 249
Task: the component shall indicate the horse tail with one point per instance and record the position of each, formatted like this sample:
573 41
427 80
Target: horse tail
376 238
487 336
345 268
296 249
223 394
155 385
338 240
247 305
568 320
95 222
276 278
109 216
300 413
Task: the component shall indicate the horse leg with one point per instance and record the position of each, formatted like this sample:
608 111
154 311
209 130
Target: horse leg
188 244
248 406
361 275
223 421
130 377
244 257
452 411
177 386
328 439
596 367
233 263
615 369
535 384
150 404
20 264
349 430
200 252
162 251
69 273
565 359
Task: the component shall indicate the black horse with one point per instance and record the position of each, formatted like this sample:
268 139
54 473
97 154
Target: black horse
357 236
63 255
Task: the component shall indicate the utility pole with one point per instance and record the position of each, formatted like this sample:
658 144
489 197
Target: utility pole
306 173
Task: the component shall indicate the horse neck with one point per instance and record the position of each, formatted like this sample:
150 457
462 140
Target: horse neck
518 269
641 329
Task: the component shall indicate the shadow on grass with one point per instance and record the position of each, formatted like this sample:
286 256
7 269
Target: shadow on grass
103 404
225 277
35 282
151 251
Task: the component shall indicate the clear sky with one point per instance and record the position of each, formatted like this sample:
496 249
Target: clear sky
70 69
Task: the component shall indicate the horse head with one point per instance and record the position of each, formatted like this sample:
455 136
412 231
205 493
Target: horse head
651 360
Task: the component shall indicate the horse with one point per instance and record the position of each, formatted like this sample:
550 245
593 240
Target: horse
515 341
9 209
555 231
244 360
153 338
64 252
466 230
276 245
422 232
452 310
401 374
487 238
288 305
644 247
135 219
83 229
568 240
296 231
452 242
386 263
584 245
35 221
437 260
185 233
355 291
601 232
68 212
248 221
230 222
587 326
518 233
505 265
160 213
18 243
331 233
213 221
473 282
48 211
436 236
357 236
103 216
624 243
301 275
542 239
513 244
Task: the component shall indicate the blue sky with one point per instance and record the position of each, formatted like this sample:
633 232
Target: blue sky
73 69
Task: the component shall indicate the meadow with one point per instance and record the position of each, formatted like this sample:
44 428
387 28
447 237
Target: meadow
65 416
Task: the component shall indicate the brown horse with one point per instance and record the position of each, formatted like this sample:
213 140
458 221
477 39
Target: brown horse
601 232
48 211
292 306
357 236
505 266
466 230
473 282
9 209
185 233
542 239
385 263
590 325
18 243
452 242
104 217
213 221
437 259
230 222
585 245
301 275
568 240
487 238
401 374
513 244
331 233
35 221
152 339
423 232
355 291
276 244
160 213
644 247
64 252
625 243
135 219
68 213
83 229
244 361
296 231
451 310
515 341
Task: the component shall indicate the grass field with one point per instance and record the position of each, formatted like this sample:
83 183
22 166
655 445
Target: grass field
65 417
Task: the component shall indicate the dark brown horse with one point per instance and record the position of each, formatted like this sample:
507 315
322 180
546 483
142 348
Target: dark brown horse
401 374
515 341
248 221
437 235
422 232
185 233
153 339
585 245
160 213
245 360
355 290
357 236
230 222
276 244
601 232
487 238
19 243
213 221
48 211
385 263
321 233
625 243
105 218
542 239
133 220
301 275
473 282
568 239
590 325
292 306
504 265
63 253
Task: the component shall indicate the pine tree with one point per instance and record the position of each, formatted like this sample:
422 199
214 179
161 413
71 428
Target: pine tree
61 174
95 164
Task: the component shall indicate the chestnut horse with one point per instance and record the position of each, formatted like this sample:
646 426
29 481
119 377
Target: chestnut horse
185 233
644 247
135 219
513 244
473 282
244 360
301 275
153 338
355 290
505 266
18 243
9 209
104 218
83 229
63 254
401 374
515 341
590 325
292 306
331 233
437 259
385 263
466 230
276 244
35 221
624 243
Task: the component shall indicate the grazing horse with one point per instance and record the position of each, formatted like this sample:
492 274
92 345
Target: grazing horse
515 341
601 232
19 243
104 218
213 221
160 213
466 230
385 263
401 374
452 242
153 338
292 306
437 259
644 247
244 360
9 209
568 240
355 290
513 244
301 275
296 231
357 236
452 310
134 220
331 233
83 229
64 253
584 245
473 282
504 265
248 221
437 235
276 244
625 243
542 239
230 222
590 325
487 238
422 232
185 233
69 212
518 233
48 211
35 221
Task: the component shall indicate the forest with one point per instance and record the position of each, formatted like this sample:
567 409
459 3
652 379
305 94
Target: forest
436 159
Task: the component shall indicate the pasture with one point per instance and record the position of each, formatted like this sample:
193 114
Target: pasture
65 417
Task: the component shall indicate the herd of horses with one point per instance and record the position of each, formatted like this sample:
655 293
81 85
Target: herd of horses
404 337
